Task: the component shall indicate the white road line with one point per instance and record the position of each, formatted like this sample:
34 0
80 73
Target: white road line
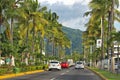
67 71
62 73
52 79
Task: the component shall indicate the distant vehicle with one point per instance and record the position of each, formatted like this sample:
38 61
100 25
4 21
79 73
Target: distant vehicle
54 65
2 62
64 65
79 65
70 62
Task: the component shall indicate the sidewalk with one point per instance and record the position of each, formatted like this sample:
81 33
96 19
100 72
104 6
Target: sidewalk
19 74
100 75
104 74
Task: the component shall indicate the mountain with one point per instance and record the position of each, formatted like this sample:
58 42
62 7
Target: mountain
75 35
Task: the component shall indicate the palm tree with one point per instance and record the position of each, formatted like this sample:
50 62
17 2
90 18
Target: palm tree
116 37
51 27
34 23
111 26
99 12
9 13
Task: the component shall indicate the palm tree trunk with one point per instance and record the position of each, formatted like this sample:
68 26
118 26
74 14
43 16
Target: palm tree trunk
102 36
108 38
41 46
118 58
33 43
53 47
11 31
0 33
102 46
27 34
111 26
46 47
11 38
58 51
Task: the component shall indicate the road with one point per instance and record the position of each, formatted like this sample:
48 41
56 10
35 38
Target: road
65 74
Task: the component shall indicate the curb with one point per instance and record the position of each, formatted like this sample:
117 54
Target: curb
100 75
19 74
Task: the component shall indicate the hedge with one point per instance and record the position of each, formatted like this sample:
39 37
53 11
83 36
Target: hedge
6 70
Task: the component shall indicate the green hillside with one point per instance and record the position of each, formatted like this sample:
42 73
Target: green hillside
75 35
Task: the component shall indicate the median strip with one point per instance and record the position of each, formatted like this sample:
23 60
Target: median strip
19 74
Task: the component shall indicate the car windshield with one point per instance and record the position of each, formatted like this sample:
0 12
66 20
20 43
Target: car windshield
64 62
79 63
53 62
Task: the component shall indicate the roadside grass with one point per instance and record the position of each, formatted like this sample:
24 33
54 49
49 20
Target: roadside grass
107 74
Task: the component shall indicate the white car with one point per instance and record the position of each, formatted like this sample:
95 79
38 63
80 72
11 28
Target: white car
54 65
79 65
2 62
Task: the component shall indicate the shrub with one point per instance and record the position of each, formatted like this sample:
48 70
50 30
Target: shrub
3 71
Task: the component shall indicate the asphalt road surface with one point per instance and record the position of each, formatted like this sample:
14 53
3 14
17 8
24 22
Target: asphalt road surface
64 74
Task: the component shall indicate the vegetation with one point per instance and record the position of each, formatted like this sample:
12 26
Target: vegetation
100 26
108 75
25 29
28 30
75 36
6 70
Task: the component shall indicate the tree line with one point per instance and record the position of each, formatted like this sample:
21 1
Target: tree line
26 27
103 14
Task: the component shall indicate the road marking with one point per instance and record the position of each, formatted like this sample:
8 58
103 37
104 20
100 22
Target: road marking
52 79
89 74
67 71
62 73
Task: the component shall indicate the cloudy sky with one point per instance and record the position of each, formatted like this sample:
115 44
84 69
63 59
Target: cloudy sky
70 12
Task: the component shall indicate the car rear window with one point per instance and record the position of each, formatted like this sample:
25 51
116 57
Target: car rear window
64 62
79 63
53 62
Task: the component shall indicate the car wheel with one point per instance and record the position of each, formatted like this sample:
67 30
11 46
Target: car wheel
49 69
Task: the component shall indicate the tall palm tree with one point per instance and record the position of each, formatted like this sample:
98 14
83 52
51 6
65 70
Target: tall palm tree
111 18
33 19
99 12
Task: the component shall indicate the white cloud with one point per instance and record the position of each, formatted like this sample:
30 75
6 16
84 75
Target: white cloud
71 12
77 23
71 23
66 2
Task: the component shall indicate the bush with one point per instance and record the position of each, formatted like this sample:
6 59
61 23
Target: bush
16 70
3 71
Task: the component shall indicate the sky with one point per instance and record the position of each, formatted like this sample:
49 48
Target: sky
71 12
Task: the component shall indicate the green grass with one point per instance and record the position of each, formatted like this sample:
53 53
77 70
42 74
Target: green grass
107 74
